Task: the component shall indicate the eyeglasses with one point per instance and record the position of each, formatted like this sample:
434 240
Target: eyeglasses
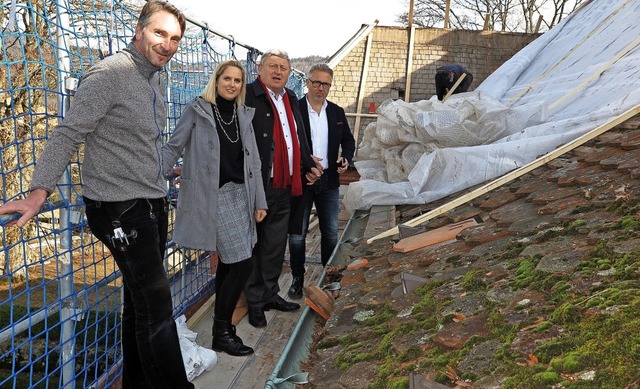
318 84
275 67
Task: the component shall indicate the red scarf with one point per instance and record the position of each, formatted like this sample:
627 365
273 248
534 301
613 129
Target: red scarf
281 176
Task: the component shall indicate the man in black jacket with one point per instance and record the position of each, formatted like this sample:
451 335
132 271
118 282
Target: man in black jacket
328 131
286 164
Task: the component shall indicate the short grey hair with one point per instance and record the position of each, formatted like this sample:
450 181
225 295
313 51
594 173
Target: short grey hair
321 67
275 53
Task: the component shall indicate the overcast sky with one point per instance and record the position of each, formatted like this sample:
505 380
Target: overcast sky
303 27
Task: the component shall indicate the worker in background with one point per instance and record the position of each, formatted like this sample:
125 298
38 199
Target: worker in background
448 75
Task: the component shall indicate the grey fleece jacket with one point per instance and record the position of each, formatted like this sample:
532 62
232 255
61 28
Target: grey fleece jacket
118 112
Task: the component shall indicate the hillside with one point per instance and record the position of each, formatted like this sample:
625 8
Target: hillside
304 64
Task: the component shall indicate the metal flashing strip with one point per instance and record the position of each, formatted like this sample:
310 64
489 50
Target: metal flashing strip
287 372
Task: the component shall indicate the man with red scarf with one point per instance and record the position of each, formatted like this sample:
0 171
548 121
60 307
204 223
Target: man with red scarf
286 157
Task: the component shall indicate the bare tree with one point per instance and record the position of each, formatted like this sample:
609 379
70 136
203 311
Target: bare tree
503 15
430 13
560 10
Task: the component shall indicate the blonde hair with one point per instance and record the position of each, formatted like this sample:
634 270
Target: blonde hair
210 92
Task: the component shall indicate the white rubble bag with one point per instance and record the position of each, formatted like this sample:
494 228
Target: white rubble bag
195 357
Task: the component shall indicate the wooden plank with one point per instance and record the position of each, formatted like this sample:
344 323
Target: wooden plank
363 84
450 92
407 85
410 13
538 24
513 174
447 10
268 343
202 312
253 372
434 236
240 311
417 381
313 222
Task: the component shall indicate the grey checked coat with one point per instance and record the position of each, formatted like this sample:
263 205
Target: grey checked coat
196 135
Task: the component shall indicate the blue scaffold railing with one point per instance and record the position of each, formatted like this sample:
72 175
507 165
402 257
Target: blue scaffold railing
60 290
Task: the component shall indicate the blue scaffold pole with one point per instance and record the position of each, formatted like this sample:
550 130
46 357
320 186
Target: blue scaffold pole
67 309
8 218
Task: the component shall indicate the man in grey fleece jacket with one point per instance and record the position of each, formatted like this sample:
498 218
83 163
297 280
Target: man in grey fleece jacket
118 112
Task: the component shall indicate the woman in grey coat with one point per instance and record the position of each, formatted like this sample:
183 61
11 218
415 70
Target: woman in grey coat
221 191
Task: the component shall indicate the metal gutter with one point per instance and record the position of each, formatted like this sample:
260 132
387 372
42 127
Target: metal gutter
286 373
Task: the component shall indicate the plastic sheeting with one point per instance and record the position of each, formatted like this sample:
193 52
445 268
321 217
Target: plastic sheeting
196 358
574 78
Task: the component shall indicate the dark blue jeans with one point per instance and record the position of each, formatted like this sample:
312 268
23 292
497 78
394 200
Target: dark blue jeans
327 201
150 347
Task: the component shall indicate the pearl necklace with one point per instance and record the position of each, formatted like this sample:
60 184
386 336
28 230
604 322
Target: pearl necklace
223 123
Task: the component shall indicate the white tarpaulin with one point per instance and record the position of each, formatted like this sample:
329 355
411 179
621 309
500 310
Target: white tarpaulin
571 80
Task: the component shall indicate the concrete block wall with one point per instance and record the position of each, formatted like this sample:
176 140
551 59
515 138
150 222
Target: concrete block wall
481 52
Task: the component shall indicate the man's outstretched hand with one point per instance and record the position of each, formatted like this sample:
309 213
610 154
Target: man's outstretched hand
28 207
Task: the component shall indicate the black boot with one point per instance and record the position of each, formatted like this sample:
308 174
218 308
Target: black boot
295 291
226 340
